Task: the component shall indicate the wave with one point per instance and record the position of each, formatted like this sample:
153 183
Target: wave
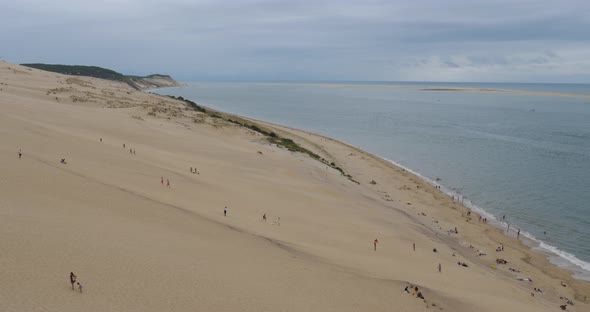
555 255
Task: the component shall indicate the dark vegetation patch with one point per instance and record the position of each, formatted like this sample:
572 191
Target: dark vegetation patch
290 145
96 72
190 103
82 70
271 136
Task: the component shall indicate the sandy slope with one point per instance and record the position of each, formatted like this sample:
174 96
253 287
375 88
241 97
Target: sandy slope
137 245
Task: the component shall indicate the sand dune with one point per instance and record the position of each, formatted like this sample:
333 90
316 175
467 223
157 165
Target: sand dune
137 245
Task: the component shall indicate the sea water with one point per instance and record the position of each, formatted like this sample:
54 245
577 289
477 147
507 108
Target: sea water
520 155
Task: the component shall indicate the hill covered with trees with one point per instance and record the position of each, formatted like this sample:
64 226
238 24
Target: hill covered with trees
137 82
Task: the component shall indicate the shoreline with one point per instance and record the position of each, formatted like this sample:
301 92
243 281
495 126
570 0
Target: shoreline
549 268
571 263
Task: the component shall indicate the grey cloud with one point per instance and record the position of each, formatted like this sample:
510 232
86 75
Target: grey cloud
307 40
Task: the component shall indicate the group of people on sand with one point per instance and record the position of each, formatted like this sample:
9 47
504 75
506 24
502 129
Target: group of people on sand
567 301
194 171
414 291
131 150
453 231
500 248
73 281
514 270
167 182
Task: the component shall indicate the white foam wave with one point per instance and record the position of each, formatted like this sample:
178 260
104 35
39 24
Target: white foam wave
564 259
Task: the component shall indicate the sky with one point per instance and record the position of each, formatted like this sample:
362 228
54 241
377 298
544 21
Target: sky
308 40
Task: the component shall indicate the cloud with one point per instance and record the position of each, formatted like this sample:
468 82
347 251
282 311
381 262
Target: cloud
307 40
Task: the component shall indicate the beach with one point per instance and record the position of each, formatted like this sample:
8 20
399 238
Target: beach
138 244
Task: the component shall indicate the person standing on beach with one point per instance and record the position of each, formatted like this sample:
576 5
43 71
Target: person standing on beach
264 217
72 279
414 246
20 153
518 234
439 268
225 212
168 182
375 242
162 180
123 145
80 287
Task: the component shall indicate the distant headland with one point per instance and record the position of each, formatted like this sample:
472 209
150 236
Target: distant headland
136 82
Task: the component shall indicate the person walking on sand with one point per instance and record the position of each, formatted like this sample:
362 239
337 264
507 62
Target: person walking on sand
80 287
20 154
375 242
414 246
168 182
264 217
123 145
72 279
518 234
162 180
439 268
225 212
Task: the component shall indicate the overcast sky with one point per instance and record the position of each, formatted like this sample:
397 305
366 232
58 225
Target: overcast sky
435 40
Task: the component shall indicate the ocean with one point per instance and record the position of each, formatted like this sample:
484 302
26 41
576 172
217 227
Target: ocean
520 155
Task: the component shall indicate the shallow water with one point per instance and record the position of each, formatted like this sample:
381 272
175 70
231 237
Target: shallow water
523 156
